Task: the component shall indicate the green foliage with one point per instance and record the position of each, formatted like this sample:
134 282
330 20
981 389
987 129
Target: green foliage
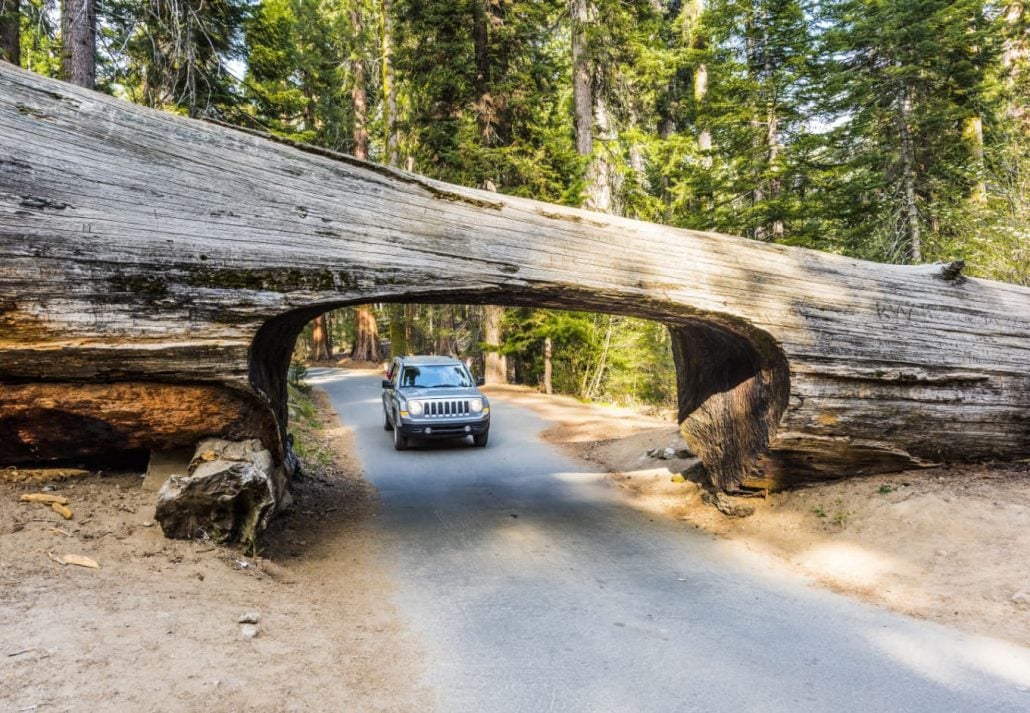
297 82
296 374
173 56
40 37
487 107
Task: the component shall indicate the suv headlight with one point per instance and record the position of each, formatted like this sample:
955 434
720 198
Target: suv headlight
476 405
415 408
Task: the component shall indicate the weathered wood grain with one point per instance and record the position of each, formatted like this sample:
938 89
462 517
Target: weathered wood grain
140 248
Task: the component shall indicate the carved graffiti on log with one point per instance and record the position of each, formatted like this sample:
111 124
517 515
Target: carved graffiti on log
147 261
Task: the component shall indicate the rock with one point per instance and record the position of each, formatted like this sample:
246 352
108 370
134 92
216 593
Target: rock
251 617
669 453
249 631
225 500
1021 597
725 505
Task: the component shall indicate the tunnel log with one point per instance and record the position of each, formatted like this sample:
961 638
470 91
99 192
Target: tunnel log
154 270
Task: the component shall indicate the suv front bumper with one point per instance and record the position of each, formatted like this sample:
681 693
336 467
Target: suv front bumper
439 428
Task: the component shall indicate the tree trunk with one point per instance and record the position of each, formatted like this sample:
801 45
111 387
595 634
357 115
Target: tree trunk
908 178
773 140
141 308
10 31
548 387
445 332
496 363
321 343
592 116
358 94
366 335
700 78
409 325
393 148
78 42
973 132
602 362
582 79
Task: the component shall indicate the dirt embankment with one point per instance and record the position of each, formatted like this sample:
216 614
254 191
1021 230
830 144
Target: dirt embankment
156 627
947 544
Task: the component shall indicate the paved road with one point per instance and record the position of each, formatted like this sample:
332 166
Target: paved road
534 587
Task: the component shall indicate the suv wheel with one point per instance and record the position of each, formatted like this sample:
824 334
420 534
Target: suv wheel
400 443
480 439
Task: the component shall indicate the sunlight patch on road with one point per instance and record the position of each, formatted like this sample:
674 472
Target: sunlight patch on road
580 478
949 660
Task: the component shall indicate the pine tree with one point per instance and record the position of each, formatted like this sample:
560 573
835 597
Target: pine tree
908 79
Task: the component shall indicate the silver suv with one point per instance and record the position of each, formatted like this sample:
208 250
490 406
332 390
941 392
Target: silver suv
433 397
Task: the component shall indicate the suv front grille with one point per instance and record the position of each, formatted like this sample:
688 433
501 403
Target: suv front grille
446 408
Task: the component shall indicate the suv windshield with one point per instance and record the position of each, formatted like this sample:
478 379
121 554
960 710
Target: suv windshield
430 376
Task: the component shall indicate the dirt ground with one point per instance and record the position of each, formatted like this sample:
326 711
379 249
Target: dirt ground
947 544
156 627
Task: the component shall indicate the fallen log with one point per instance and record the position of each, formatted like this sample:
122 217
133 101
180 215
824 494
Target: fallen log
155 271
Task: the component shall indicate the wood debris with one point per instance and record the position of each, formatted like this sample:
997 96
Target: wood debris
81 561
45 498
63 511
77 560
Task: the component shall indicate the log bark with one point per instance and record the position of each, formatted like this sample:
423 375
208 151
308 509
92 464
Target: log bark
142 252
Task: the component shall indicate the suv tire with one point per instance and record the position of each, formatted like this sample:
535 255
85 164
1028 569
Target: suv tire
400 443
481 439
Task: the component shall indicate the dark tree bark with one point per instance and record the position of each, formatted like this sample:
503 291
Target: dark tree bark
321 340
393 151
366 335
548 388
358 93
10 31
496 363
582 79
79 42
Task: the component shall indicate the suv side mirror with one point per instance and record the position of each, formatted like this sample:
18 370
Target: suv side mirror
387 384
481 381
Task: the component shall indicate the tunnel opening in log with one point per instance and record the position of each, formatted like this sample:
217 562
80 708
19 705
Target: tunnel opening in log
732 380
